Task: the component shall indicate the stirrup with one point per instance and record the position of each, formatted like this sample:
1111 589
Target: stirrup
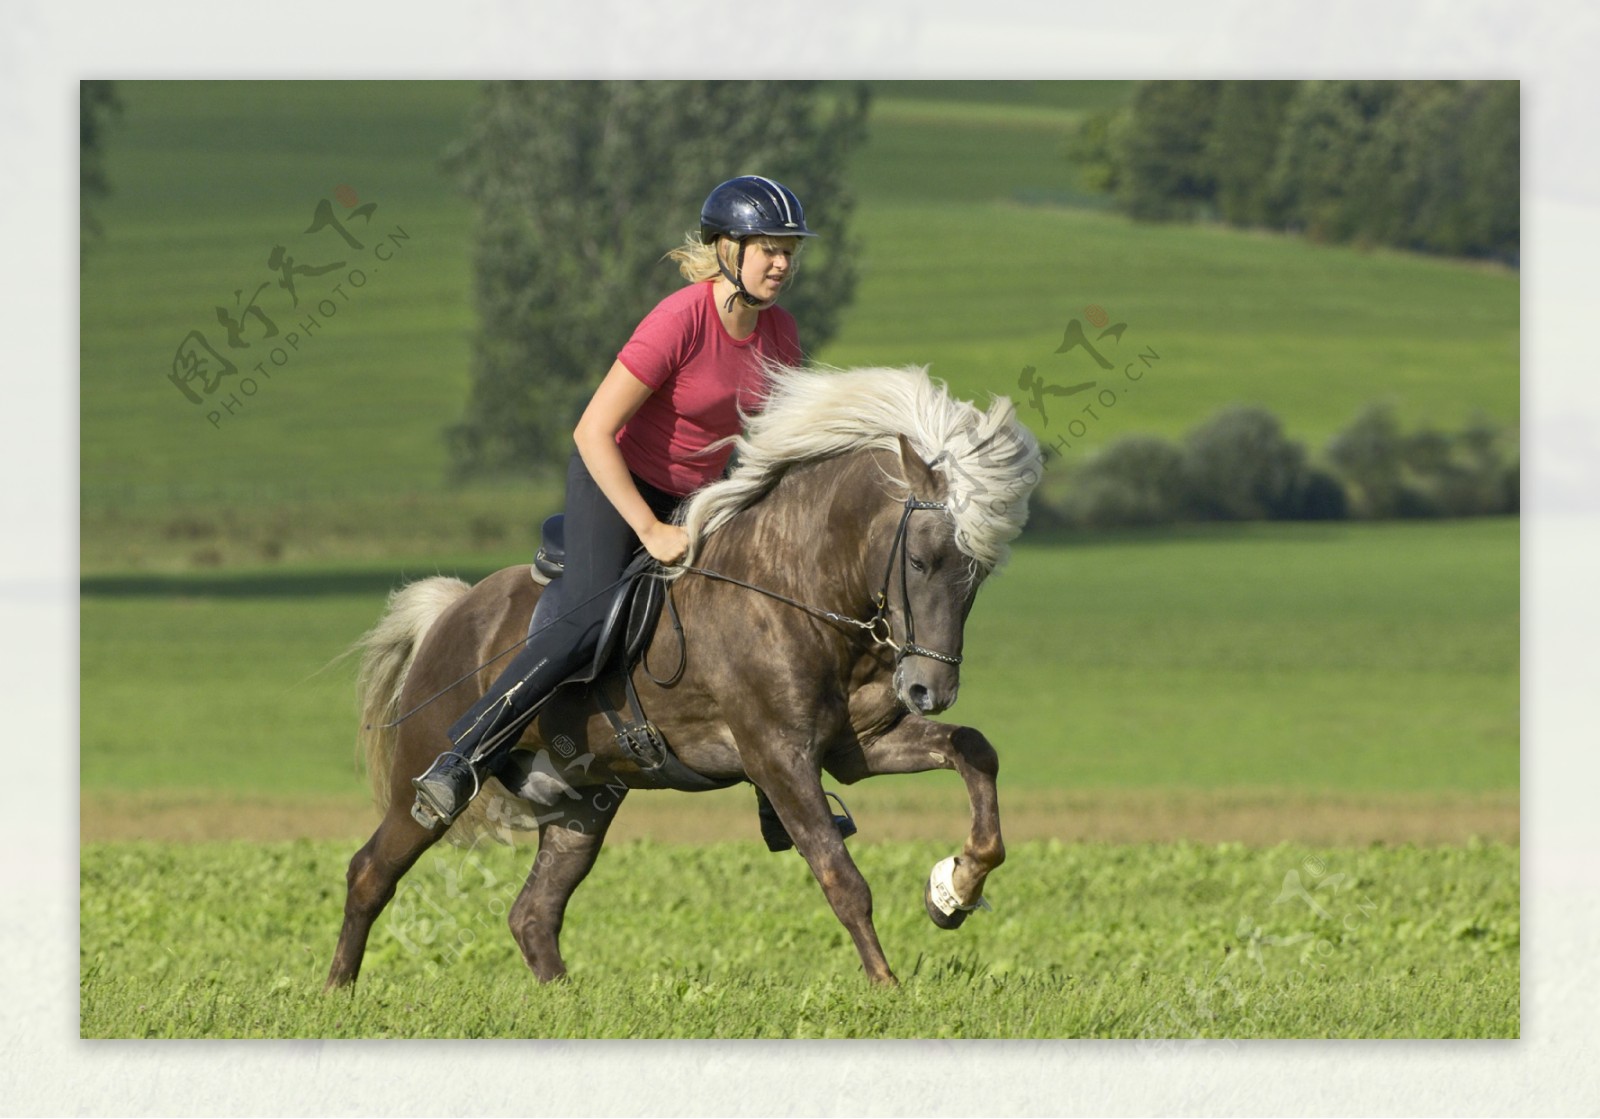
427 811
777 837
845 823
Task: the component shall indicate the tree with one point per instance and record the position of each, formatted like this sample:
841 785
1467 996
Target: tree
1095 148
1325 177
581 188
1446 163
1244 144
97 105
1492 171
1165 170
1432 166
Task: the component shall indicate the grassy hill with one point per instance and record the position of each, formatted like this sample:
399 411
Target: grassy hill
979 246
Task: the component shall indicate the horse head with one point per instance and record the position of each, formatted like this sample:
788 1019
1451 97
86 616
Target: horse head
928 589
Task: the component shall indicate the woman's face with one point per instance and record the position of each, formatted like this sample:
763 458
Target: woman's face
768 264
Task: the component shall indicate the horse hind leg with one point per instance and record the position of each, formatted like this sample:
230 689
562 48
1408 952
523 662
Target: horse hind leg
374 873
568 847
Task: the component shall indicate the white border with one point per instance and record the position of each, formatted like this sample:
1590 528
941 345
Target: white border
46 46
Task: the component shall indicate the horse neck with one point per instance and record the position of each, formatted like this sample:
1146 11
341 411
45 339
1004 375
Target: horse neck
809 537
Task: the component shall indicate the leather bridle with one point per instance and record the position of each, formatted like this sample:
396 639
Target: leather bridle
878 626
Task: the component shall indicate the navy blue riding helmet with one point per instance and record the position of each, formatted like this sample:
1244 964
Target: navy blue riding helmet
746 207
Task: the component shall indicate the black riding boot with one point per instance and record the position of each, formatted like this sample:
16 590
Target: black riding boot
491 728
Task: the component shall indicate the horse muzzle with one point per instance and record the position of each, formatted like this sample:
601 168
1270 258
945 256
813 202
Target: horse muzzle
927 696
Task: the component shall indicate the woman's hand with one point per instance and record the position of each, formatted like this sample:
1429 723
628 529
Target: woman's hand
666 542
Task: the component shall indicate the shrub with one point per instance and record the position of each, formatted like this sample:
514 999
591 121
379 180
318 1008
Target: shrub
1138 480
1320 496
1511 488
1240 466
1426 473
1368 454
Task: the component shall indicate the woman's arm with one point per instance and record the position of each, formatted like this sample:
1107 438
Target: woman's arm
619 396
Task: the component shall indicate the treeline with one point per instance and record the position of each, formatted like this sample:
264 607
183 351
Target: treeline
1427 165
1241 466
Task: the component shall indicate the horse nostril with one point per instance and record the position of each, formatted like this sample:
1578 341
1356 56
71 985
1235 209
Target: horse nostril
919 697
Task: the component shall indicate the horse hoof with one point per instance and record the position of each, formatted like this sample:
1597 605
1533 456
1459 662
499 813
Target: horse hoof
938 916
940 899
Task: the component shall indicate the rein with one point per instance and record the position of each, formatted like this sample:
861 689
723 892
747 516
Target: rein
876 627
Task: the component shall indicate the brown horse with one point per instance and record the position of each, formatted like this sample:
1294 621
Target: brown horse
814 664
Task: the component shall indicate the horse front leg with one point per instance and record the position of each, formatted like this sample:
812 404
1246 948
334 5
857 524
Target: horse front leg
795 790
916 745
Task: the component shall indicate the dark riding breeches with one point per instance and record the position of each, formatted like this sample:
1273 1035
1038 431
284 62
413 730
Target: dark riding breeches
599 546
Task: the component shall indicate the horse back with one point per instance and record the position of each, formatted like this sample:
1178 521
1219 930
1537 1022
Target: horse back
488 620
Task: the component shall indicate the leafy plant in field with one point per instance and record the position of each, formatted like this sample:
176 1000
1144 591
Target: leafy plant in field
1239 466
1138 480
1160 942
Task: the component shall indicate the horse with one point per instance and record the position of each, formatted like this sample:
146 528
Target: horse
793 658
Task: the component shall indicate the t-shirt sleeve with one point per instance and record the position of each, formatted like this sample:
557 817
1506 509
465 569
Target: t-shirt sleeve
659 346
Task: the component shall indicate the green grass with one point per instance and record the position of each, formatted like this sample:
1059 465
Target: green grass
978 247
1314 333
1344 657
1152 942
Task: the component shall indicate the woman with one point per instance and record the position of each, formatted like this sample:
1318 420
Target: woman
644 443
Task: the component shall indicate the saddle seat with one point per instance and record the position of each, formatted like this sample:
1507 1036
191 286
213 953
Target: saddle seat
631 613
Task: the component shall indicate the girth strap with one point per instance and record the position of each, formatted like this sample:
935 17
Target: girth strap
642 741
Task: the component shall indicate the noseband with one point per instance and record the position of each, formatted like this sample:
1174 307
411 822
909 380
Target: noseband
876 627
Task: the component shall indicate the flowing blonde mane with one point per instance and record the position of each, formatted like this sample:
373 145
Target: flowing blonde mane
990 460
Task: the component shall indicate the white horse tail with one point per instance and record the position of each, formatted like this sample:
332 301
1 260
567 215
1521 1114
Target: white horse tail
387 651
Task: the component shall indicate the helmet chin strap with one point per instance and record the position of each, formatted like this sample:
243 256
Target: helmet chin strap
734 278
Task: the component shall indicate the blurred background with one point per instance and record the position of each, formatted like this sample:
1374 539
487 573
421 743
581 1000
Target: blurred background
334 335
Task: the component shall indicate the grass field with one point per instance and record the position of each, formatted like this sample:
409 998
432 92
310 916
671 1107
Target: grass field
1185 718
1086 940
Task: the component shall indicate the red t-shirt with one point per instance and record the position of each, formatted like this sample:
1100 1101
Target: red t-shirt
702 377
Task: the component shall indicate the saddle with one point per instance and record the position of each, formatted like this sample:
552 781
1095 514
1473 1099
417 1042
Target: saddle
630 623
631 615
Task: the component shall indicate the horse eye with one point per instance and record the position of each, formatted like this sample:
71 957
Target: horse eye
918 565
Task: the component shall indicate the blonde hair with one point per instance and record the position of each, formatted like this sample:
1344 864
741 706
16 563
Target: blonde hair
697 260
990 461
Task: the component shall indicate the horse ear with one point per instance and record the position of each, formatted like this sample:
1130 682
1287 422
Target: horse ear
919 475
